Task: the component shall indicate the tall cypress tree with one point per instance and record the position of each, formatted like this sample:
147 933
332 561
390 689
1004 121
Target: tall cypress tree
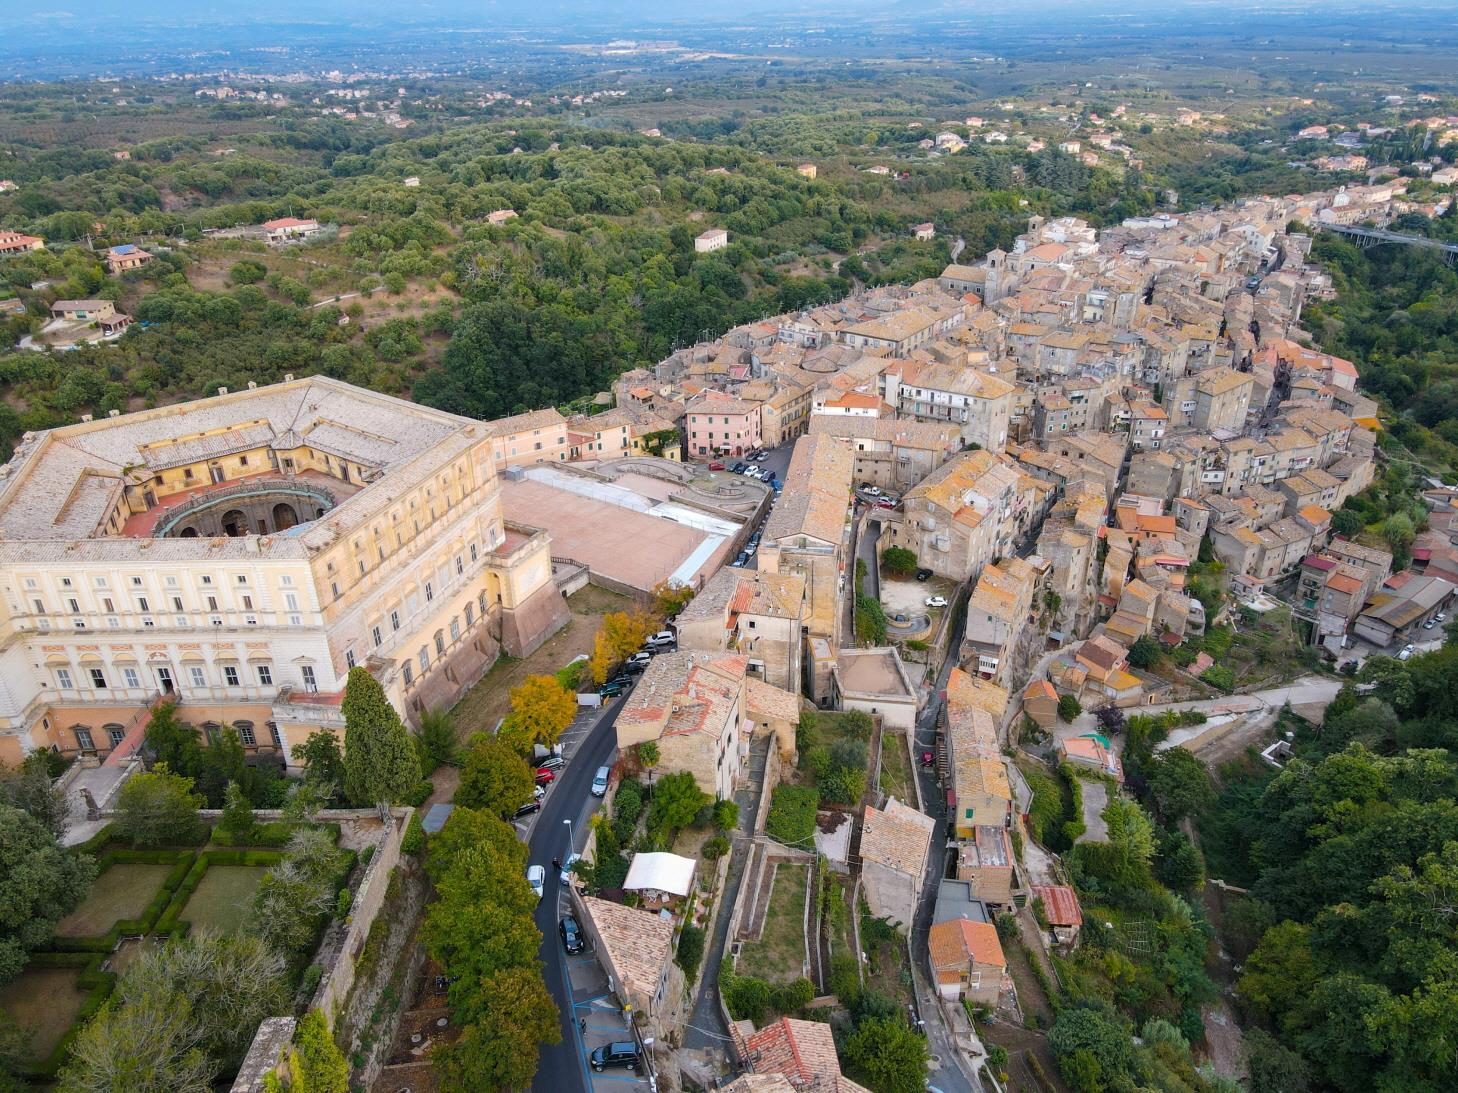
380 763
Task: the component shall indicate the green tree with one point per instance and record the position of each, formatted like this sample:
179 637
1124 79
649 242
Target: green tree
648 755
1278 977
898 561
158 808
887 1056
149 1045
316 1065
1346 522
677 799
466 828
435 741
1069 708
30 789
1179 784
172 741
323 760
726 815
500 1049
494 777
1145 652
237 818
39 885
1273 1067
380 764
1093 1049
1130 830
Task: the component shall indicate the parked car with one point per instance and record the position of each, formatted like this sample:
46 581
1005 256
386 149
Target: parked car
550 763
1430 624
624 1054
885 503
738 468
663 637
637 662
571 934
568 866
537 878
873 491
716 466
1441 616
923 574
612 688
527 809
600 781
760 457
1407 651
936 601
741 558
538 791
545 777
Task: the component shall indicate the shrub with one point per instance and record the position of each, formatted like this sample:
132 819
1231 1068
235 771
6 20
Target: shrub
310 981
726 815
420 794
1219 676
715 848
845 977
899 561
1069 707
791 817
790 997
413 841
343 903
690 950
747 997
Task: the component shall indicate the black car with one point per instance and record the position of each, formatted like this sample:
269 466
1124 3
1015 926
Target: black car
623 1054
528 808
571 934
612 688
923 574
738 468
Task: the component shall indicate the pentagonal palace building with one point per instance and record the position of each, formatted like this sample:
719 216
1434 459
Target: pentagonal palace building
239 554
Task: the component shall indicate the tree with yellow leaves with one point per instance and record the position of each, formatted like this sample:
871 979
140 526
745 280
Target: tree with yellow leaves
541 707
620 636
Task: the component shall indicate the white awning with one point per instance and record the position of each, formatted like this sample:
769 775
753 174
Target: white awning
661 873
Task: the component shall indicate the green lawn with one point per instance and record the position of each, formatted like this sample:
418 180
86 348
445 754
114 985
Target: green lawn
122 891
224 897
43 1003
779 955
896 768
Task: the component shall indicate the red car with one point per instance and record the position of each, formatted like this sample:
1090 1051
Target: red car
545 777
716 466
885 503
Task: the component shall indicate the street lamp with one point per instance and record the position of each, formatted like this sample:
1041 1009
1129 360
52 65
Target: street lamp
569 837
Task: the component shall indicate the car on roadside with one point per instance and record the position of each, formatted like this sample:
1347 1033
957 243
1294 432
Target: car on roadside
550 763
545 777
661 639
1407 652
612 688
872 491
738 468
923 574
538 791
623 1054
637 662
936 601
568 866
742 558
571 934
537 877
527 809
716 466
760 457
1441 616
600 781
1430 624
885 503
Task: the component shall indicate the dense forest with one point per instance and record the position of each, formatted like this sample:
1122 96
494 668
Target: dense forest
1347 940
1396 317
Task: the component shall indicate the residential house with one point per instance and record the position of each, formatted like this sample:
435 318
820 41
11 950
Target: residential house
288 229
1397 615
967 961
962 515
875 681
692 704
711 240
895 843
801 1052
126 257
720 425
980 794
1061 911
978 403
1040 702
986 863
757 614
1222 397
1089 751
533 437
635 949
12 243
894 455
999 618
497 217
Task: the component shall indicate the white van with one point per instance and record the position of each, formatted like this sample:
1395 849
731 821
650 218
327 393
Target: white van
600 781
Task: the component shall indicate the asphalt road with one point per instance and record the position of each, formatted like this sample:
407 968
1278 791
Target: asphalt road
563 1066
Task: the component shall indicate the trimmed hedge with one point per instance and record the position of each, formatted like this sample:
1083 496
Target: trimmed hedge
272 835
98 984
182 861
171 920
